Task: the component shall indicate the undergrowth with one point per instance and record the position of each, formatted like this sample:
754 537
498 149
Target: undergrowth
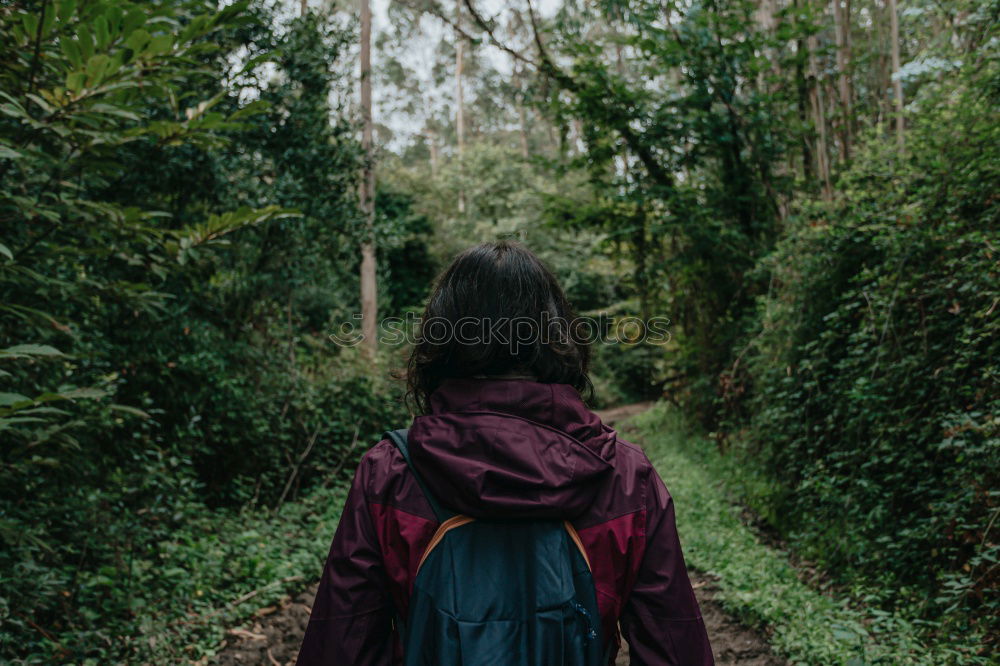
757 582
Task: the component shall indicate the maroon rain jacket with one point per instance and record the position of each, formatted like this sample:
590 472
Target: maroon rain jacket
494 448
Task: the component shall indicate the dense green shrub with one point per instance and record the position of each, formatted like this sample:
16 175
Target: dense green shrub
177 238
806 619
873 372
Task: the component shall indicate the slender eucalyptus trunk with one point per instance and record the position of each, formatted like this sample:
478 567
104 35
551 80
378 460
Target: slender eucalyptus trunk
802 88
897 83
523 131
819 119
459 101
369 296
842 34
766 20
521 113
432 146
579 144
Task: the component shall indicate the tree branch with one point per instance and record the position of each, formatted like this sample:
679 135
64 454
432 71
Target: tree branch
619 120
36 56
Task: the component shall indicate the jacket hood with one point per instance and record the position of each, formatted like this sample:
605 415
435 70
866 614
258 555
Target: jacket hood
511 448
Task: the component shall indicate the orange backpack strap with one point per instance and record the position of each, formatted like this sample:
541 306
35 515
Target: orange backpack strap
459 520
443 528
576 539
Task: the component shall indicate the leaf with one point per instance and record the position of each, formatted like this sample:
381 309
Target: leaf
65 9
259 59
117 60
71 49
30 350
194 29
217 226
46 107
4 250
84 393
101 32
18 32
135 411
95 68
86 40
14 111
119 112
50 18
30 23
8 399
253 108
19 419
75 81
133 19
45 410
137 40
160 44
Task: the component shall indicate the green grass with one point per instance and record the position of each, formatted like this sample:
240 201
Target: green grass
757 583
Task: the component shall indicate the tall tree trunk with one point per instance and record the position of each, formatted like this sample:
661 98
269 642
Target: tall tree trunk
880 74
765 16
641 257
525 153
802 85
303 7
819 119
897 83
459 100
765 19
369 297
579 145
432 146
521 114
842 33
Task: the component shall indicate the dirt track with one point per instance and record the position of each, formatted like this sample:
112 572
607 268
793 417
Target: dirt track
272 638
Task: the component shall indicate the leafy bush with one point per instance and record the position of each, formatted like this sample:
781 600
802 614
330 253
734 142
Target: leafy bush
759 584
176 236
873 369
186 574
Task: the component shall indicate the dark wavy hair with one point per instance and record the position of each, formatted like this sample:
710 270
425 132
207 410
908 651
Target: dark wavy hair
490 295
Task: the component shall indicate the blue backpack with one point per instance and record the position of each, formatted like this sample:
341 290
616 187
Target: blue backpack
494 592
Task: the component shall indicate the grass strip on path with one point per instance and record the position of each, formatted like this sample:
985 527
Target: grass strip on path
756 582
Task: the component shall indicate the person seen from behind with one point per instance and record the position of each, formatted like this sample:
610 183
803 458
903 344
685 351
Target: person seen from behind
508 525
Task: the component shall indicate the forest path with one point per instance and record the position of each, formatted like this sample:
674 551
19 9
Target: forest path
272 638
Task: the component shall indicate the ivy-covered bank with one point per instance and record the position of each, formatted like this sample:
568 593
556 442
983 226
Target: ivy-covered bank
808 621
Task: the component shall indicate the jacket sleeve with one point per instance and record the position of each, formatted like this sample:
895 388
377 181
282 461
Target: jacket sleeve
661 620
351 621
